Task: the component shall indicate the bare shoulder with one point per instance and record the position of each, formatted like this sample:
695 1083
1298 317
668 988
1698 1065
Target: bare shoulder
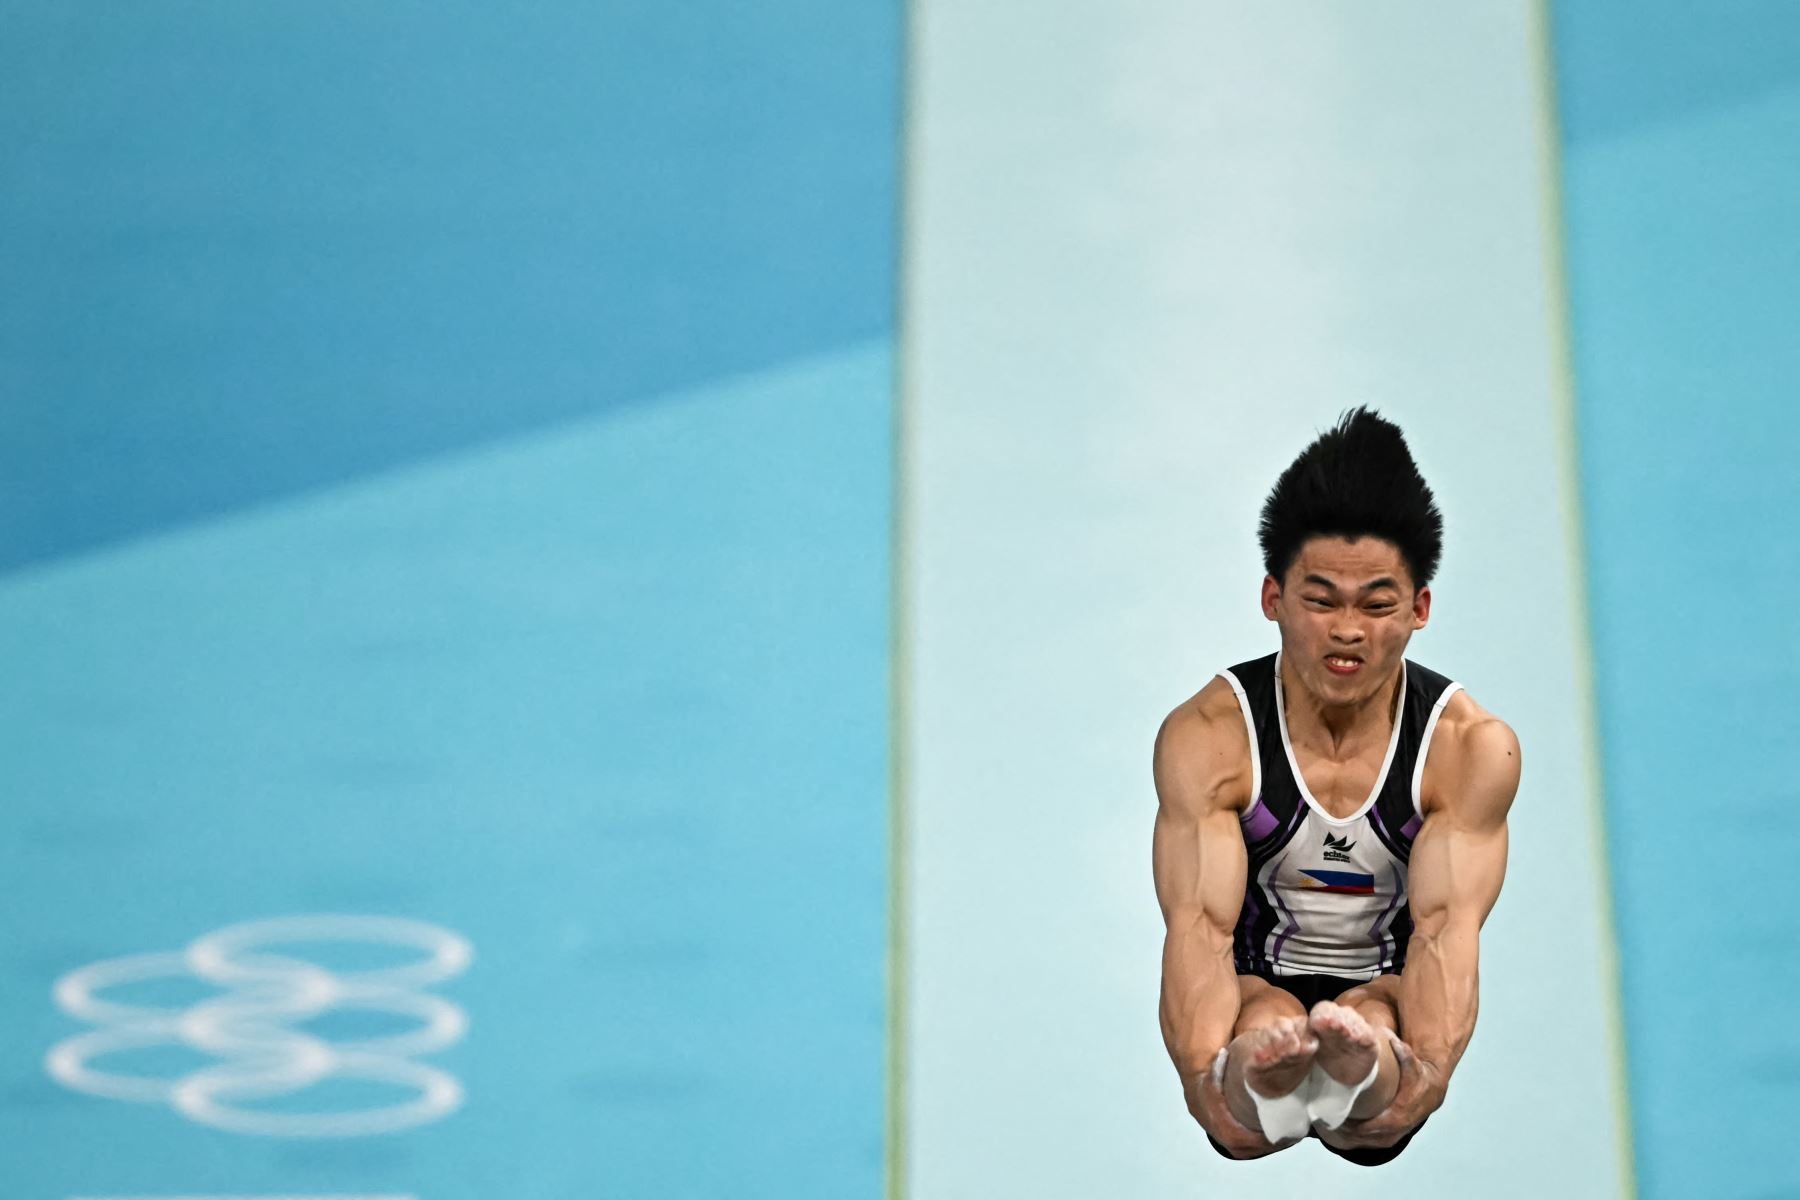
1202 757
1473 762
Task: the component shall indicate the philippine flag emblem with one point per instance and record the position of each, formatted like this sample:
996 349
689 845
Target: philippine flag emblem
1343 883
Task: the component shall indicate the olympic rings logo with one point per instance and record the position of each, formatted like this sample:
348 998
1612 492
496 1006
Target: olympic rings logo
252 1026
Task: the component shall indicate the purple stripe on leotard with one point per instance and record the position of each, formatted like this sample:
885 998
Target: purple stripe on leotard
1259 822
1410 830
1378 931
1293 926
1246 926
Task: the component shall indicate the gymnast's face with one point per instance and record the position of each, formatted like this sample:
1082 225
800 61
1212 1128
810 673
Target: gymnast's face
1346 610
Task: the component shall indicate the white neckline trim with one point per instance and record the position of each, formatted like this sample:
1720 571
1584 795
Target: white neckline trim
1294 763
1250 728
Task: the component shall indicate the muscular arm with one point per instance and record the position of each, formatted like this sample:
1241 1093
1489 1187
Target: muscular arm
1458 863
1202 775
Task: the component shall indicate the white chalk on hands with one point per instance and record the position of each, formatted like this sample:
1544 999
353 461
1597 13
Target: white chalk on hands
1332 1101
1283 1117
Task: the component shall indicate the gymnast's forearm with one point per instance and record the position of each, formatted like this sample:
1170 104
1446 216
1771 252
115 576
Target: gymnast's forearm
1199 993
1439 994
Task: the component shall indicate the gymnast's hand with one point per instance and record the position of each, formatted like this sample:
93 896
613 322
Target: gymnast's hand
1421 1093
1206 1103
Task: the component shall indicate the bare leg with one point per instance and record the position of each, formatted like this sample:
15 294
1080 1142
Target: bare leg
1353 1036
1271 1050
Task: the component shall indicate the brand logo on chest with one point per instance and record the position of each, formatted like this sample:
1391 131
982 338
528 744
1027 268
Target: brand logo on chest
1342 883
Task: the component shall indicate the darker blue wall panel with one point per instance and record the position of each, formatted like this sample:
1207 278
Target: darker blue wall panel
1631 63
1680 178
247 250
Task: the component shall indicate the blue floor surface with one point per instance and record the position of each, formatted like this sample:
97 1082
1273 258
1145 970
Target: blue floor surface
608 701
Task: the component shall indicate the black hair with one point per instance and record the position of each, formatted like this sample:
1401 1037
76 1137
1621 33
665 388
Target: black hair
1357 480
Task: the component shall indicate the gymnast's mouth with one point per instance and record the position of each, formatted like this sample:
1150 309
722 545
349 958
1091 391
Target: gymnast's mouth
1343 664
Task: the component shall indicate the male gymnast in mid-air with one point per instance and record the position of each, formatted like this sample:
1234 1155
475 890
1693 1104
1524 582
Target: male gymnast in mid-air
1331 830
